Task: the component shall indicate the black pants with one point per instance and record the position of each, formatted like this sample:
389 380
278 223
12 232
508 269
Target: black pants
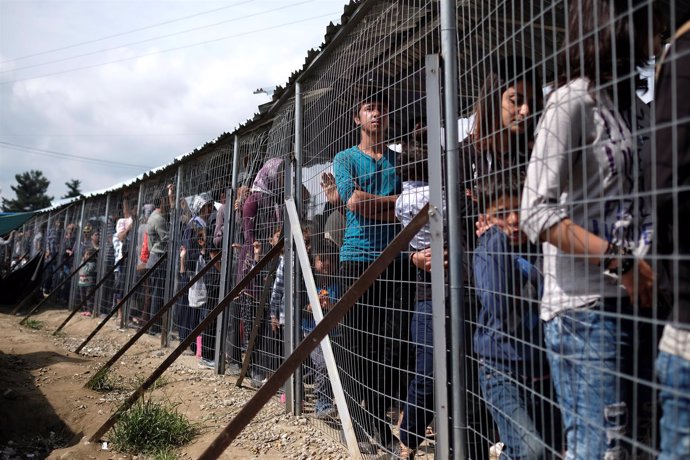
373 353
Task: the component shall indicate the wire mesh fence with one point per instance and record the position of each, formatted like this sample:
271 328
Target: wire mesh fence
565 335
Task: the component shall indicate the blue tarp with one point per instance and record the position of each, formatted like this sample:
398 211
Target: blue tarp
13 220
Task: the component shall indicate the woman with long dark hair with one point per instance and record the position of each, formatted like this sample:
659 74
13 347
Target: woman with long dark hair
507 336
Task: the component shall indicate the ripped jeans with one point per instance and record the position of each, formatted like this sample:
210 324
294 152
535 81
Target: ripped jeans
674 374
589 351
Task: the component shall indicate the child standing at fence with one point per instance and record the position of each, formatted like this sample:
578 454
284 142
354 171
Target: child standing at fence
87 280
579 201
277 308
513 373
325 268
192 261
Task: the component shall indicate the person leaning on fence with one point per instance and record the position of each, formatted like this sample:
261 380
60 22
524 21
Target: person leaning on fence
373 350
261 213
195 244
277 310
143 298
158 236
37 242
120 239
268 343
513 371
52 255
503 130
86 283
67 260
194 255
672 195
96 240
582 162
504 116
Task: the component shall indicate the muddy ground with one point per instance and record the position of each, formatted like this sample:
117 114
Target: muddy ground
46 413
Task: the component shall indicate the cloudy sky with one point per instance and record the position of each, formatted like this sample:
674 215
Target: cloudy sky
100 90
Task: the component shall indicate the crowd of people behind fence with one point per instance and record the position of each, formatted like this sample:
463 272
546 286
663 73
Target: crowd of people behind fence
564 198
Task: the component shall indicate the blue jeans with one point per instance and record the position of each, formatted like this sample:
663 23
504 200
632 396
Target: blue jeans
674 375
419 406
589 350
322 384
518 410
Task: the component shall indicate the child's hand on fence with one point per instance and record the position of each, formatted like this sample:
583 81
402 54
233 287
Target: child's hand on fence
422 259
274 323
183 252
325 300
484 222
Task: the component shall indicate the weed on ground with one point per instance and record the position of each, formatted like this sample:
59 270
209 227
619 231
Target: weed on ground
152 428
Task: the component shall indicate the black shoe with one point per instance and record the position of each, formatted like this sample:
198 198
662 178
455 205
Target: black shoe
367 448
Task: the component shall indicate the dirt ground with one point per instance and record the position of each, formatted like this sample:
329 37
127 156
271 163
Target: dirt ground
46 413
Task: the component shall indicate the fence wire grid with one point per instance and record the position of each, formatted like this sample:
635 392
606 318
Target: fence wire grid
549 137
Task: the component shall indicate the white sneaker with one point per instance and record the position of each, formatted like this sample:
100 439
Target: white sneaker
495 451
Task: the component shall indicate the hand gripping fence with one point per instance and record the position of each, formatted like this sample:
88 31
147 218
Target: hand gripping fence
192 336
91 294
313 339
117 307
57 288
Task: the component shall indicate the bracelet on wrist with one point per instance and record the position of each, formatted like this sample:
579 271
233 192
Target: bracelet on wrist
624 256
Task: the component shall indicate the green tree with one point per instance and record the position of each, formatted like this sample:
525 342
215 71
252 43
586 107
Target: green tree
31 191
73 188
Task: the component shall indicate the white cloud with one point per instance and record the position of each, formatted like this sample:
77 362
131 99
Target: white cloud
146 110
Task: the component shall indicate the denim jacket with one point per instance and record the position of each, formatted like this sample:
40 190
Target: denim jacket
509 287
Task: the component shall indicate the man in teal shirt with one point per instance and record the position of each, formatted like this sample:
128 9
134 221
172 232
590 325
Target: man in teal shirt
373 350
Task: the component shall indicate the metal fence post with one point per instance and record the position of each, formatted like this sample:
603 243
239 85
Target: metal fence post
228 267
449 54
291 325
297 196
438 294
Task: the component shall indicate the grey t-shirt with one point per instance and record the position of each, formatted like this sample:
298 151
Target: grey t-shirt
158 237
